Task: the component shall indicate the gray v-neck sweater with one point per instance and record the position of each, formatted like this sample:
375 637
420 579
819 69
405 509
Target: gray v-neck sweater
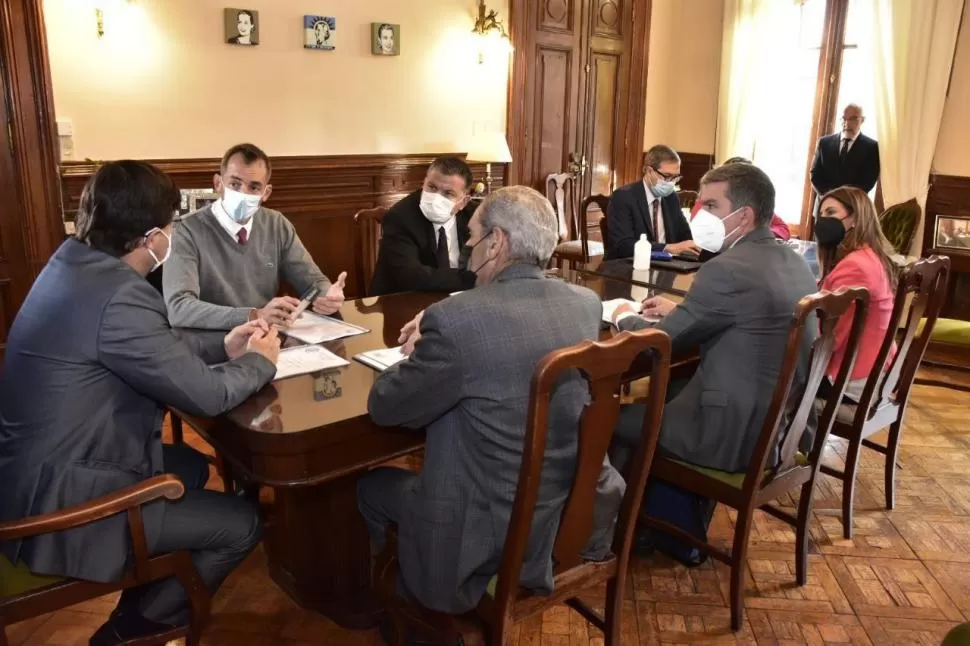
212 282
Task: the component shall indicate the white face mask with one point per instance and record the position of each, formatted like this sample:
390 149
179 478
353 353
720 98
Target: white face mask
168 249
708 230
240 206
436 207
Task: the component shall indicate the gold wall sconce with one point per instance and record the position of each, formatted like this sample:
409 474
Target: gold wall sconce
99 15
490 28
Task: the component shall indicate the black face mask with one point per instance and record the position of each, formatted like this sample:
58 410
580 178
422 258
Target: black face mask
829 232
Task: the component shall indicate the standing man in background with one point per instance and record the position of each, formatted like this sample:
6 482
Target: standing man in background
848 158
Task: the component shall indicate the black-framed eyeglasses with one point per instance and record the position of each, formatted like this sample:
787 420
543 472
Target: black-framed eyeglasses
670 178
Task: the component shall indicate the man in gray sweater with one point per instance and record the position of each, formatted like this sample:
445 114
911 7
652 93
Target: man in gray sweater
228 258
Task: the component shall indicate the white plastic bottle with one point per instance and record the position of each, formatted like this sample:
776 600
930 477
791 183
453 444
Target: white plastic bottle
641 253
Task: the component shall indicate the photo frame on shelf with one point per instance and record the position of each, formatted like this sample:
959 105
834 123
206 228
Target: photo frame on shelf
952 233
194 199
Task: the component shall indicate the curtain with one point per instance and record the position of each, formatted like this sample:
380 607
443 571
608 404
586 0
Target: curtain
912 53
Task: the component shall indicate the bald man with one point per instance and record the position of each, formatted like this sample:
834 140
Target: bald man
847 158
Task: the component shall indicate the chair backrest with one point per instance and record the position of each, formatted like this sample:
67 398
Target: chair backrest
920 294
603 203
787 420
561 191
602 364
367 227
687 198
899 223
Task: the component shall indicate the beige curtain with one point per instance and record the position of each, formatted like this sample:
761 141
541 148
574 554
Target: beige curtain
912 53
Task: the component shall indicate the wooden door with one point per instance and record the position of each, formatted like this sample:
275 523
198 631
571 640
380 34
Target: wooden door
578 90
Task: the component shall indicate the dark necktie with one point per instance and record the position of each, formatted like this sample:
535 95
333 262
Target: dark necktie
844 150
242 236
442 252
656 221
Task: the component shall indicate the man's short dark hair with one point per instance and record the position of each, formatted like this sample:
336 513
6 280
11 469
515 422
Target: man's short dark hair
659 154
747 185
122 202
250 154
451 166
737 160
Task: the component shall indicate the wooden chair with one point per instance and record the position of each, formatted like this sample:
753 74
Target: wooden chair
604 230
367 245
592 247
41 595
561 191
883 402
602 365
766 480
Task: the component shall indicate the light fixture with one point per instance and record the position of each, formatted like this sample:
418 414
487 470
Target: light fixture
99 16
491 29
491 148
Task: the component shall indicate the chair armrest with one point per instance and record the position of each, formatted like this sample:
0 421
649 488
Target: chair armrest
165 486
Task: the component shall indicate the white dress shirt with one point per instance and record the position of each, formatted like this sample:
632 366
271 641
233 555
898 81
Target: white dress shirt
451 234
231 226
661 232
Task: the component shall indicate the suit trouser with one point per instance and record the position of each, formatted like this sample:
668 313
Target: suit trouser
219 530
383 495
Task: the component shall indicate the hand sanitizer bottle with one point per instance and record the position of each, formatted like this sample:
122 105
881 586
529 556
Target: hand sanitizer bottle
641 254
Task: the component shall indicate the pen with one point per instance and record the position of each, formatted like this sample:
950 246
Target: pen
308 298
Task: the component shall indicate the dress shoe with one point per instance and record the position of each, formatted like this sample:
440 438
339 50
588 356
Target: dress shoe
123 627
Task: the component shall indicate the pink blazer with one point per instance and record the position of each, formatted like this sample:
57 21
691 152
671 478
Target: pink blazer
862 268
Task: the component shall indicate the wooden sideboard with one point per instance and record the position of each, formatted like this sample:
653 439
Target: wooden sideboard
950 195
319 194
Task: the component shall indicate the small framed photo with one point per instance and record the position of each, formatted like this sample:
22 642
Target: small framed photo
319 32
953 232
385 39
242 27
194 199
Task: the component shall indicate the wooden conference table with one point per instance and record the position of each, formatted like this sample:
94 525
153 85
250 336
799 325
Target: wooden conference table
309 438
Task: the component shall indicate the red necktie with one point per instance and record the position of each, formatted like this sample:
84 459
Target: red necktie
242 236
656 221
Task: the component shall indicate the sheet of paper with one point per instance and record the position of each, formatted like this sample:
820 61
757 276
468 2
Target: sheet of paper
304 359
381 359
609 307
313 328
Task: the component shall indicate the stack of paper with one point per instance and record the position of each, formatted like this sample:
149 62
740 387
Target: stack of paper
609 307
304 359
313 328
381 359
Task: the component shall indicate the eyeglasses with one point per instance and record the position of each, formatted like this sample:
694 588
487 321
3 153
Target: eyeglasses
670 178
852 119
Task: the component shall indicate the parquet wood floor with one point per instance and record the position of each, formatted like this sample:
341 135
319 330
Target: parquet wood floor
903 579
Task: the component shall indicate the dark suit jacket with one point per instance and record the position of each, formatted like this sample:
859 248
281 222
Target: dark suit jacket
628 217
467 383
407 261
90 361
861 167
738 311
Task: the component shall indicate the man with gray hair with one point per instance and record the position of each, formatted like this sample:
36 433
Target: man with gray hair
465 383
650 207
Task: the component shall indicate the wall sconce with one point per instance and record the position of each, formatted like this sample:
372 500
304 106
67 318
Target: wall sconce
99 17
488 26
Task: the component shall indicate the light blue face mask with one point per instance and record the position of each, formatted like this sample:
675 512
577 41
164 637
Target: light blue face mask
663 188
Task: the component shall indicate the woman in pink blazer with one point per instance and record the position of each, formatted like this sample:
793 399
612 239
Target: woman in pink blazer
853 252
778 226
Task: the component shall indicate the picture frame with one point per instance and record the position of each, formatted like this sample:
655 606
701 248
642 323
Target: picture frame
194 199
320 33
385 39
241 27
952 233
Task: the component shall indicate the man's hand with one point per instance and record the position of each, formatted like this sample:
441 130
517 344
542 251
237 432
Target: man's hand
334 298
687 247
624 307
278 311
266 344
657 306
237 340
410 334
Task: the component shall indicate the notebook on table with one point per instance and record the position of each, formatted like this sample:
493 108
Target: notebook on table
381 359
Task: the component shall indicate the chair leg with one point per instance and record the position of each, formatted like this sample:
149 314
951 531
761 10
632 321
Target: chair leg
614 610
739 553
3 636
892 451
177 434
848 485
805 503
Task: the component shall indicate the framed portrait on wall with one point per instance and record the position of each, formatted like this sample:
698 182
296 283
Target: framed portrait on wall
319 32
952 233
385 39
241 27
194 199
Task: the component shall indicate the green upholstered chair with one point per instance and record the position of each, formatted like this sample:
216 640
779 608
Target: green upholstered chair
899 224
24 594
777 468
958 636
949 351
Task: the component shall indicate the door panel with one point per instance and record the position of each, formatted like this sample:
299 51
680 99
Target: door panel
604 110
553 116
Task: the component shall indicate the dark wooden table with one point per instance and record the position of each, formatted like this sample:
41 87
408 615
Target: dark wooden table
309 438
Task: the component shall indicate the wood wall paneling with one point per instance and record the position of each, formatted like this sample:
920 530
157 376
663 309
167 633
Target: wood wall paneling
692 168
319 195
950 195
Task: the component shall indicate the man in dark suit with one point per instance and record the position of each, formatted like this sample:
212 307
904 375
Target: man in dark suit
465 382
848 158
650 207
90 361
424 235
